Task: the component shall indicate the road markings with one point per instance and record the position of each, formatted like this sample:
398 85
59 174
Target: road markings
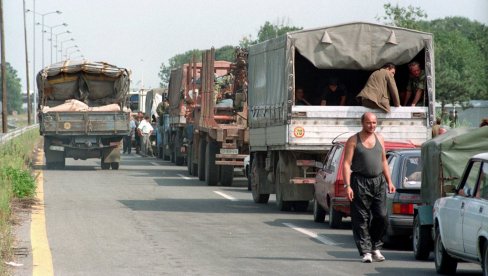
155 164
226 196
184 177
42 263
311 234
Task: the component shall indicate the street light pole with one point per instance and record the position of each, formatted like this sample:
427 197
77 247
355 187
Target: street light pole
67 48
29 106
51 31
56 43
61 48
3 71
72 52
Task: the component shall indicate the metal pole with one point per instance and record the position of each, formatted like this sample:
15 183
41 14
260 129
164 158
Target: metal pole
29 106
34 87
42 43
51 28
4 72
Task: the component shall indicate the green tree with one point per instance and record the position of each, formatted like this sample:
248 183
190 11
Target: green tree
409 17
14 95
269 31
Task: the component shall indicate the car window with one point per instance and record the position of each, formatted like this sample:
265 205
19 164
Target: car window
413 172
483 186
336 158
329 158
391 162
472 177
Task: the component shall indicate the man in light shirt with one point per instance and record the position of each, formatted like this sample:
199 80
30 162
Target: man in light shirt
146 130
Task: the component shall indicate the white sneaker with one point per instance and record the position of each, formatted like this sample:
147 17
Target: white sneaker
377 256
367 258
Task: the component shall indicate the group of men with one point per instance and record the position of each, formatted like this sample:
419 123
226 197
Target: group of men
379 90
140 131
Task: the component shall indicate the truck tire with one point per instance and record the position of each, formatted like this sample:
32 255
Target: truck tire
201 159
281 179
189 163
335 217
211 170
114 165
318 212
444 263
255 182
179 159
54 159
226 175
422 241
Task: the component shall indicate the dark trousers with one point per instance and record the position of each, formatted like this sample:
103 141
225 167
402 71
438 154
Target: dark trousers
138 143
368 212
127 144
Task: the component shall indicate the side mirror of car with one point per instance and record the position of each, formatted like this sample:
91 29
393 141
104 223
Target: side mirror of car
467 191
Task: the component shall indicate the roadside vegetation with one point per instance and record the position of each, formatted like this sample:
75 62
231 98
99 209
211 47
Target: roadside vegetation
16 183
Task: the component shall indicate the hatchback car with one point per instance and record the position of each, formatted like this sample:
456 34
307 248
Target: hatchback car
461 220
330 194
406 175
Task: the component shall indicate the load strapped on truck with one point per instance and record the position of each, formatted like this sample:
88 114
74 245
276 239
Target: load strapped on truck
81 111
219 139
287 141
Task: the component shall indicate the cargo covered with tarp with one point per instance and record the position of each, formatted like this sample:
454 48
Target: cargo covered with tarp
83 83
274 65
445 157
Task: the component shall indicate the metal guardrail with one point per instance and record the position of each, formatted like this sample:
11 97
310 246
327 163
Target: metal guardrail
11 135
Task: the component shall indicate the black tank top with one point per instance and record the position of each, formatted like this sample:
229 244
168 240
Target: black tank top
367 162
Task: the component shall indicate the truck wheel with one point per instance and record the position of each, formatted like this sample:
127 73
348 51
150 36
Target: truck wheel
189 158
484 263
422 242
179 160
211 170
444 263
201 159
335 217
282 205
318 212
54 159
115 165
226 175
255 179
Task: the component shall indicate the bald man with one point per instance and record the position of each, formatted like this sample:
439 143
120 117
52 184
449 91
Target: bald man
366 174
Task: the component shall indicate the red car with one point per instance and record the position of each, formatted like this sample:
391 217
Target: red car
330 194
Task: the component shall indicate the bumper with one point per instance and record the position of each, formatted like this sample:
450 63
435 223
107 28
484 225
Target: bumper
400 225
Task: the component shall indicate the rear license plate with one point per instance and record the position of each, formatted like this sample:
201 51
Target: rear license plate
229 151
56 148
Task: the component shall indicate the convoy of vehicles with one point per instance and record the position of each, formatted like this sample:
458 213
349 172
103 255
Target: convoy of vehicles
288 141
443 161
82 111
460 225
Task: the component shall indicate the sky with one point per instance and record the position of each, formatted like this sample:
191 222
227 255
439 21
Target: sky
140 35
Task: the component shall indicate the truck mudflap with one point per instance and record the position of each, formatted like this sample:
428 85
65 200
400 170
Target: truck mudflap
425 214
305 165
236 160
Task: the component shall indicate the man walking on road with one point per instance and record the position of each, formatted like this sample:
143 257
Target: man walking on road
365 174
146 130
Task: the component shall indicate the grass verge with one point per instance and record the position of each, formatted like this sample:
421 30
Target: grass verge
16 181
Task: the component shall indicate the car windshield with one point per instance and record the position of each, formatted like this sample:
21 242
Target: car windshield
413 173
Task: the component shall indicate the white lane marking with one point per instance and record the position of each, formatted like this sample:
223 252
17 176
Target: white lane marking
184 177
311 234
226 196
155 164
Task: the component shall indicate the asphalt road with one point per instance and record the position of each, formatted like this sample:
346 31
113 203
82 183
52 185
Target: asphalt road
151 218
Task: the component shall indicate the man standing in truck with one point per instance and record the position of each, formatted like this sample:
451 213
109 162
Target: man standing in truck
416 84
366 173
379 88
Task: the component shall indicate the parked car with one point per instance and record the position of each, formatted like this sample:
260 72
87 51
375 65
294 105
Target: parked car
461 220
406 175
330 194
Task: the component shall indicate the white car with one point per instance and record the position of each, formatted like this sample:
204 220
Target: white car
461 220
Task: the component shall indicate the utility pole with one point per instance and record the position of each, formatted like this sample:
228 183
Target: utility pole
29 105
4 72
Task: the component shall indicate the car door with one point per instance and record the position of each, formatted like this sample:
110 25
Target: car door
321 178
475 209
452 212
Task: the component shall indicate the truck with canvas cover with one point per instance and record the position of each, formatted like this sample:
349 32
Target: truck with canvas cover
444 159
153 98
81 112
182 87
288 142
220 139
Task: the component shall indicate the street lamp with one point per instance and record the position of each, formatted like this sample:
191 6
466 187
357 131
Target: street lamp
56 39
72 52
51 31
34 50
61 48
67 48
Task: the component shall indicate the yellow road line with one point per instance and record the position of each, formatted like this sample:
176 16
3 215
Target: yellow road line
42 263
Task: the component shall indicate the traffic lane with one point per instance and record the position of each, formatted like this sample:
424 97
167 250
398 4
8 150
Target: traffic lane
171 225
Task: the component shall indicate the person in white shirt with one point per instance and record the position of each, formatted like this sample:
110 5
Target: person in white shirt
128 138
146 130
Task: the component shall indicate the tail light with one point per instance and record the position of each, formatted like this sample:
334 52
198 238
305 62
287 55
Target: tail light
402 208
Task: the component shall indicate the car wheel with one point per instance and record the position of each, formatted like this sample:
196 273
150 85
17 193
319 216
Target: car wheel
422 242
335 217
444 263
318 212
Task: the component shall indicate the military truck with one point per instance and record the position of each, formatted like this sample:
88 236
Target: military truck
289 142
81 112
219 139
